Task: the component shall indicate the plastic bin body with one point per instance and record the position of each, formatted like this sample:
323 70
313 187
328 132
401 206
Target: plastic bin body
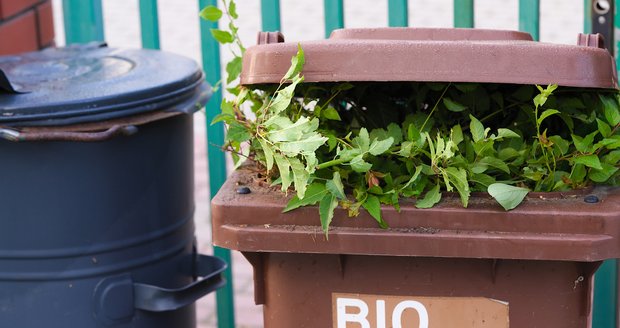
479 266
299 289
97 230
538 259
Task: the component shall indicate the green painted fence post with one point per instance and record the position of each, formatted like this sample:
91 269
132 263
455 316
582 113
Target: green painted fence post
398 14
334 15
529 17
270 15
616 46
216 159
605 306
464 13
83 20
587 16
149 24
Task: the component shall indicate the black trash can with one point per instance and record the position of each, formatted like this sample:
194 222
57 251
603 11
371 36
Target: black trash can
96 189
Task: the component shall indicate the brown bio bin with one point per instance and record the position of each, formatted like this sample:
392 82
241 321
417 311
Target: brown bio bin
441 267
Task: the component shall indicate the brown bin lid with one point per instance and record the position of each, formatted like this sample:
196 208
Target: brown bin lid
434 55
547 226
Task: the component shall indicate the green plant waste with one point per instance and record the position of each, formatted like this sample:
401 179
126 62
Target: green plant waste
361 145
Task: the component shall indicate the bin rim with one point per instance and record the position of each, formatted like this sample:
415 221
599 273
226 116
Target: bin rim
91 83
562 228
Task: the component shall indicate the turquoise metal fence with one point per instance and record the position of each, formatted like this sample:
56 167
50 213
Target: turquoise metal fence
83 20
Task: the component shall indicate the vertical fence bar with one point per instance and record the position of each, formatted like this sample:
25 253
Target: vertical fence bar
587 16
605 287
216 159
398 14
616 43
334 15
149 24
83 20
529 17
464 13
270 14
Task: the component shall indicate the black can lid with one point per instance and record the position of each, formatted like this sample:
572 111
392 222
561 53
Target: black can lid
90 83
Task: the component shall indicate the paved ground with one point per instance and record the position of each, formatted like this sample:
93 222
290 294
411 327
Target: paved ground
301 20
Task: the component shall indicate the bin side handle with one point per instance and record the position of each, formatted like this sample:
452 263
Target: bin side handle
157 299
113 131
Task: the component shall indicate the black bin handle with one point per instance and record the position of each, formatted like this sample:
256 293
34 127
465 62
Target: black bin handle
157 299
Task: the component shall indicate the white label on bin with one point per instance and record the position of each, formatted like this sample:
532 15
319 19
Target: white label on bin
382 311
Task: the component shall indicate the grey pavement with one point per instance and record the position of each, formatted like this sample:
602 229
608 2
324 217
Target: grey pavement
301 20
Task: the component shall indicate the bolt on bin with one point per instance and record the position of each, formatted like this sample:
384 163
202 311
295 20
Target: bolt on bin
445 266
97 189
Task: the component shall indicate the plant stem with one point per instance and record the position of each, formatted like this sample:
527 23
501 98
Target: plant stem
435 107
331 163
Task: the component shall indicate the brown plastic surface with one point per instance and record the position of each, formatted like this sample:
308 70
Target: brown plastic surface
540 294
542 228
435 55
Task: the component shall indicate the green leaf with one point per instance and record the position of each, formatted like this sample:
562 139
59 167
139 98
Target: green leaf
603 174
494 162
237 132
373 206
458 177
268 154
507 196
229 119
546 114
405 149
233 69
584 145
335 187
413 178
394 131
232 10
379 147
362 141
245 152
431 198
309 144
285 171
359 165
314 193
281 128
610 108
541 99
578 173
613 157
222 36
300 176
413 134
507 153
327 206
211 13
456 134
297 63
453 105
507 133
603 128
331 113
589 161
476 128
283 98
561 144
227 107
